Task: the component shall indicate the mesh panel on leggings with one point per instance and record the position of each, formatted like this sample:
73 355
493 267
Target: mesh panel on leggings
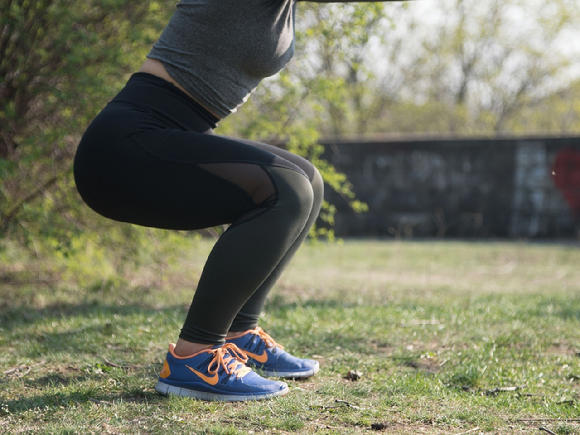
250 177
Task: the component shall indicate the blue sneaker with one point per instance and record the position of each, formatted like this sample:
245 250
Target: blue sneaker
219 373
264 353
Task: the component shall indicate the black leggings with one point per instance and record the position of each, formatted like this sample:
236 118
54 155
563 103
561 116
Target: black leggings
150 158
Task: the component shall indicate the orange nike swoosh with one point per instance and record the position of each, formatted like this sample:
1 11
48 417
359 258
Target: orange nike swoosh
210 380
260 358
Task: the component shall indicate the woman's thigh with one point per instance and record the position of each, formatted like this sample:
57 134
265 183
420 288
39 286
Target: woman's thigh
177 179
299 161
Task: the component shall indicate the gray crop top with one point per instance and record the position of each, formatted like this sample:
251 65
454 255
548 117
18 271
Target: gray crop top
219 50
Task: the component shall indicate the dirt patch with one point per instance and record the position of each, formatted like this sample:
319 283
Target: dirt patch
388 427
561 348
402 428
429 365
381 347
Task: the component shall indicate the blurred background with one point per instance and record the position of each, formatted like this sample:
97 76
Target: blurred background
439 118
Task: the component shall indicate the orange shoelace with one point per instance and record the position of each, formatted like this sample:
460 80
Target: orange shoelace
270 342
229 357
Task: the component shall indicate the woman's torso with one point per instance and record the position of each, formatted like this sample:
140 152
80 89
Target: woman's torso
217 51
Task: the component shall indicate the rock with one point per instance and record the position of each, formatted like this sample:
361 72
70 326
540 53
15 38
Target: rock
353 375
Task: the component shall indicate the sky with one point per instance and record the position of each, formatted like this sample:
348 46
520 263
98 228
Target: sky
523 26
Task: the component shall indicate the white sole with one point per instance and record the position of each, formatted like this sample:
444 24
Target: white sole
172 390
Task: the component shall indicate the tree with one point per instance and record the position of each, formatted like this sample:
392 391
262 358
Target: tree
59 61
475 67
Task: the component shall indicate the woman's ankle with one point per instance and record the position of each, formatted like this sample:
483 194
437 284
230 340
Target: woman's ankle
232 333
186 348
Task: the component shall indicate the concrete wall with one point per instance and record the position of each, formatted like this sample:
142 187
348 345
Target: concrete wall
512 187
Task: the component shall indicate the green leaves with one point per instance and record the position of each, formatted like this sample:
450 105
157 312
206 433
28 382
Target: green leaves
60 61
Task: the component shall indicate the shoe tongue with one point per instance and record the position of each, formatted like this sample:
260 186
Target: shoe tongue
232 363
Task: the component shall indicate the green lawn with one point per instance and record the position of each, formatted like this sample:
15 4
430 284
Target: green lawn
450 337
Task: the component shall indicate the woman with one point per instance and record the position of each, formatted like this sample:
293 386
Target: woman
150 158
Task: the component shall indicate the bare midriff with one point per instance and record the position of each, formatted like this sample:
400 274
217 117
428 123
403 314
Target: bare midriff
155 67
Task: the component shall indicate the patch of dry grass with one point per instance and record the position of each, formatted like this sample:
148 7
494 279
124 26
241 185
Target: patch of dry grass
450 337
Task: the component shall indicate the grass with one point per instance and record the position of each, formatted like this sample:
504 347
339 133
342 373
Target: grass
450 337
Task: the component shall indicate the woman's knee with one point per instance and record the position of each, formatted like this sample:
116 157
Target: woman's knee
314 176
294 192
317 185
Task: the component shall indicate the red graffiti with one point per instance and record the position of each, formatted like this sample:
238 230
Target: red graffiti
566 174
